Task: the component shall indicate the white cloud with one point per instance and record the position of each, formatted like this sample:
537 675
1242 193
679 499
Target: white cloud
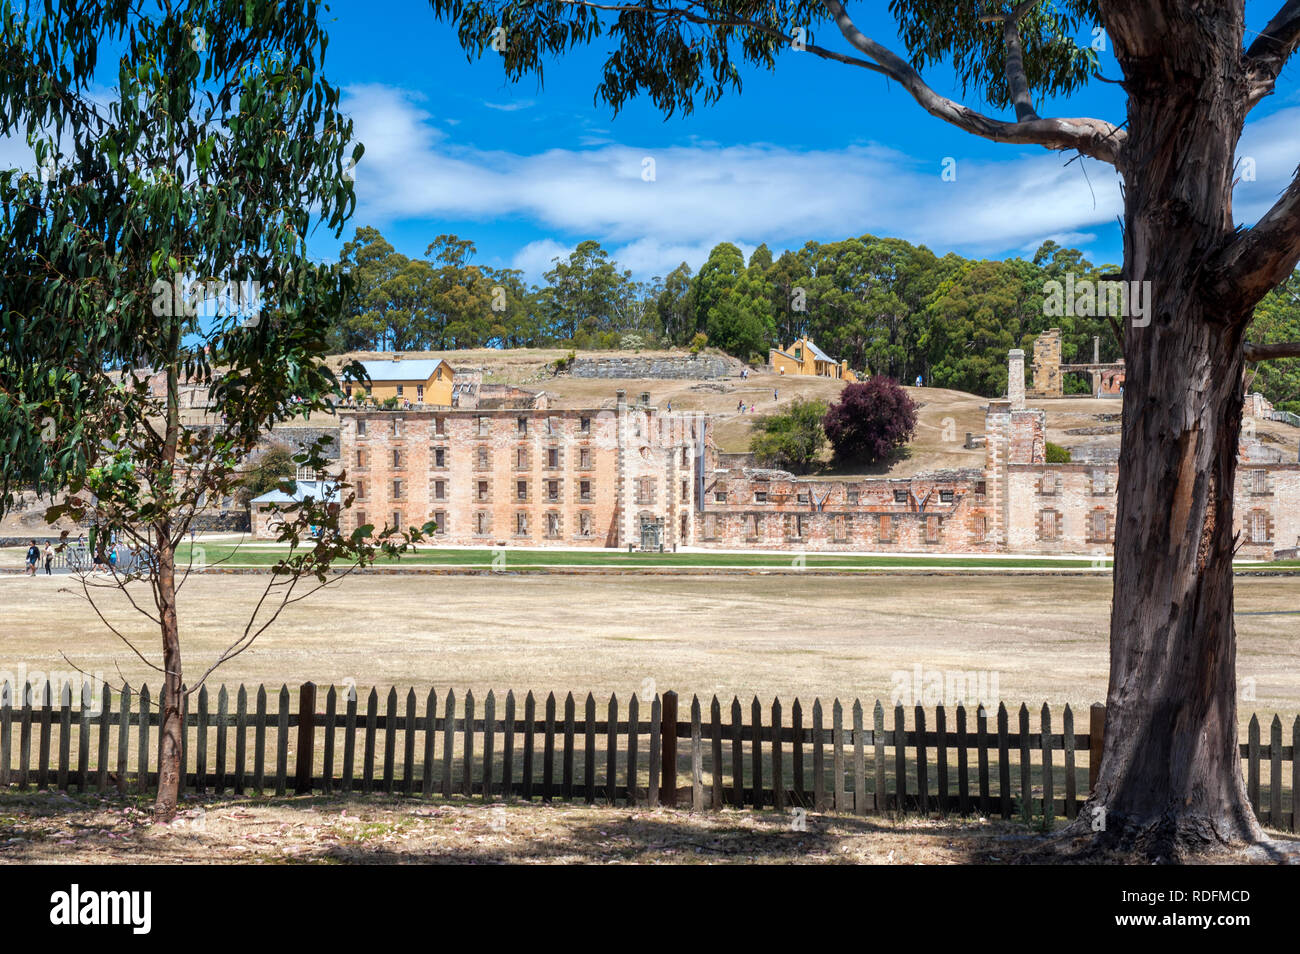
704 193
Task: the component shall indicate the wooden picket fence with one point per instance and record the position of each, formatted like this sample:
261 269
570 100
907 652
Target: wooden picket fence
842 761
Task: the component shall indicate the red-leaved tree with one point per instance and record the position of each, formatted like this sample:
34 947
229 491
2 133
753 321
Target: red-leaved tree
870 421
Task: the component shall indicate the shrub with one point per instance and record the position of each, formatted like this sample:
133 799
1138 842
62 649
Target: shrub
870 421
699 342
1056 454
794 437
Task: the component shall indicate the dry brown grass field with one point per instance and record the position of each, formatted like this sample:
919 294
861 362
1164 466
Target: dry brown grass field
783 635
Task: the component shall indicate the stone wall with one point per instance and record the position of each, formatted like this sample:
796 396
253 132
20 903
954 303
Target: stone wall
676 367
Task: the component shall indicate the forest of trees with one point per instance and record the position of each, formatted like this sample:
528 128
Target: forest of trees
886 306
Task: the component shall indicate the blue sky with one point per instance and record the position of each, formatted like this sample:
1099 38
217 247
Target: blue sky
813 151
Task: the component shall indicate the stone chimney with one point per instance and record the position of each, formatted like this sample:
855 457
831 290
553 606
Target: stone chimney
1016 378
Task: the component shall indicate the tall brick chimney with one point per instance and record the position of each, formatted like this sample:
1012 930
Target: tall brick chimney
1016 378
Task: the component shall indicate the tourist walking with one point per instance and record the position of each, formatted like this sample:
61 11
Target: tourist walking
49 560
33 555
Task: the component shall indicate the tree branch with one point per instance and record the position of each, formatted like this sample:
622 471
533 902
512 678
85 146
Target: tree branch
1271 352
1092 137
1258 259
1017 81
1270 51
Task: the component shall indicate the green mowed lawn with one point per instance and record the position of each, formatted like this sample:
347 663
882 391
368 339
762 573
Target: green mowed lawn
219 554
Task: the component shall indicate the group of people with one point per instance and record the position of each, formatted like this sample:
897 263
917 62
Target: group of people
34 558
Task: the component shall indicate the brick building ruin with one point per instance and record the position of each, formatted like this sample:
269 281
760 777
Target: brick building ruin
631 474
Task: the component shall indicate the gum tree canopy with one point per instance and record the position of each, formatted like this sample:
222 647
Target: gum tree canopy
1170 778
174 143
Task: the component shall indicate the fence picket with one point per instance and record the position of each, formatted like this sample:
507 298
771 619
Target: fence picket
589 748
259 743
963 763
1275 773
350 739
508 749
105 719
223 707
83 739
548 750
566 785
878 740
633 744
368 746
489 742
756 751
715 753
530 719
1004 761
241 736
796 753
282 742
652 770
859 762
6 732
611 751
982 740
1071 784
201 744
1295 774
142 757
737 755
900 758
25 738
922 764
837 754
431 738
408 747
778 759
65 735
819 759
467 746
941 756
697 758
47 712
327 754
1252 764
390 741
448 740
1049 788
1026 767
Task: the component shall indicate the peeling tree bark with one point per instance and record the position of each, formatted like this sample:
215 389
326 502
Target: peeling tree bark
1170 778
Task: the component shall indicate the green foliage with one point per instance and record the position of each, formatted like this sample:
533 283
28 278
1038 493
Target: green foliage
675 60
793 438
1277 319
699 342
1056 454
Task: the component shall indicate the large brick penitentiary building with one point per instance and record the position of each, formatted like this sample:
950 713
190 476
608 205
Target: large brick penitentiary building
630 474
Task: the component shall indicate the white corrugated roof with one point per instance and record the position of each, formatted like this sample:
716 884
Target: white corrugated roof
321 490
420 369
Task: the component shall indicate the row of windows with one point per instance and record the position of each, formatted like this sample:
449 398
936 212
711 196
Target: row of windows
482 489
552 457
853 497
481 522
482 423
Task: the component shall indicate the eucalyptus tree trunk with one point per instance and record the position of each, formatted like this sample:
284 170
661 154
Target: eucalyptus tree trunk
170 728
1170 778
